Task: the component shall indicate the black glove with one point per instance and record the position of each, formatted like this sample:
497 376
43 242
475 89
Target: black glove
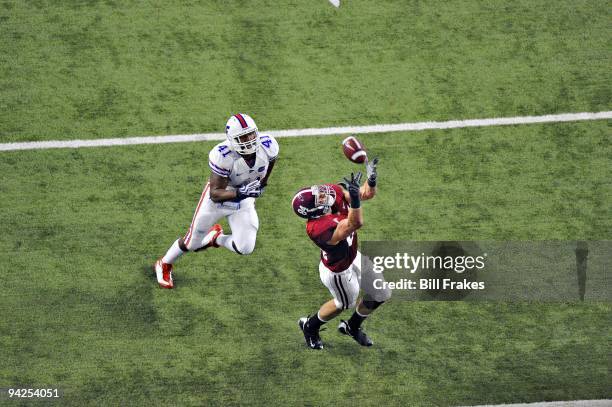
352 186
250 190
371 171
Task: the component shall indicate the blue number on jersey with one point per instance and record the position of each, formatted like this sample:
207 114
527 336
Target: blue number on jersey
265 140
223 148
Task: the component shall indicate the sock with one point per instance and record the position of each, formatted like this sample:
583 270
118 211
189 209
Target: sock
315 322
356 320
226 241
173 253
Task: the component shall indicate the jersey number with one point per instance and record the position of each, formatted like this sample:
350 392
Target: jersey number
222 149
265 140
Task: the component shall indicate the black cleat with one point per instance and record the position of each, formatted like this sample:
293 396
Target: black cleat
358 335
313 340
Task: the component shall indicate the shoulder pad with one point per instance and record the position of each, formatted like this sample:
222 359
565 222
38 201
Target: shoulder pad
270 146
220 159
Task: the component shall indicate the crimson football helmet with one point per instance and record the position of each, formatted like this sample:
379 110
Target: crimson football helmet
242 134
313 202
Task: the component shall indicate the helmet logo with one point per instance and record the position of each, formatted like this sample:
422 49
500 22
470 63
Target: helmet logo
315 201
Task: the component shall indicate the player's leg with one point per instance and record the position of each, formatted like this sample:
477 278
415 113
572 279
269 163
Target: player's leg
244 224
202 228
329 311
204 231
310 325
359 315
344 288
364 308
326 313
373 298
204 218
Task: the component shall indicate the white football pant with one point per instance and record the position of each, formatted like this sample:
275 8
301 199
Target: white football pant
344 286
241 216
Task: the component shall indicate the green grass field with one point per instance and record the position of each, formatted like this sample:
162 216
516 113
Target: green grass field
81 310
86 69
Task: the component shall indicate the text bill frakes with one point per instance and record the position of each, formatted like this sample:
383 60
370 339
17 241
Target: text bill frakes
489 270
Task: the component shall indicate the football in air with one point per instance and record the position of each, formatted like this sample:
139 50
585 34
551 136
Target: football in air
354 150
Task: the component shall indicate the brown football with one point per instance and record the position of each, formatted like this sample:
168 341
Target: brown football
354 149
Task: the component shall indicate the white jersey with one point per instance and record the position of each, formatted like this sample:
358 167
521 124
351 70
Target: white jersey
225 162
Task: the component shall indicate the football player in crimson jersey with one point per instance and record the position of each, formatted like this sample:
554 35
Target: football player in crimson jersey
240 167
334 215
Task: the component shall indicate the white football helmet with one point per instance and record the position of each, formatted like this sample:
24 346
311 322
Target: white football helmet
242 134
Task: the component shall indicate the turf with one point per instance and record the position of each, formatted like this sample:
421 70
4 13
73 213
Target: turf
91 69
82 227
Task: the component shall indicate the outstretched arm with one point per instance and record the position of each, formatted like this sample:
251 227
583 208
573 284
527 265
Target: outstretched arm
368 189
367 192
355 216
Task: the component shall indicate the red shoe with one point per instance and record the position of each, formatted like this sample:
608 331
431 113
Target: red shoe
210 240
164 274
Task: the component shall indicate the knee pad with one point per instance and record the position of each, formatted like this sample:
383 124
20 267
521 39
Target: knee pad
377 295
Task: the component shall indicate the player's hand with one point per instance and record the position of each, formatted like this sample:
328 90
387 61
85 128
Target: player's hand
251 190
352 185
371 171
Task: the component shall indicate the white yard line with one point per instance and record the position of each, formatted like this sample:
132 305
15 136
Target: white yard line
377 128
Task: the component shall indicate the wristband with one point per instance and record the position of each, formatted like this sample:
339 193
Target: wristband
355 201
372 182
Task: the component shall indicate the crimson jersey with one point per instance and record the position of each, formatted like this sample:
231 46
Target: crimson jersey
337 257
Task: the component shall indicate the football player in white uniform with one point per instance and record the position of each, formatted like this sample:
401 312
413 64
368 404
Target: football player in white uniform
240 169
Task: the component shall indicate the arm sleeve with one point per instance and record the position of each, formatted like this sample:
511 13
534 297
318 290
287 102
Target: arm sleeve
217 161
